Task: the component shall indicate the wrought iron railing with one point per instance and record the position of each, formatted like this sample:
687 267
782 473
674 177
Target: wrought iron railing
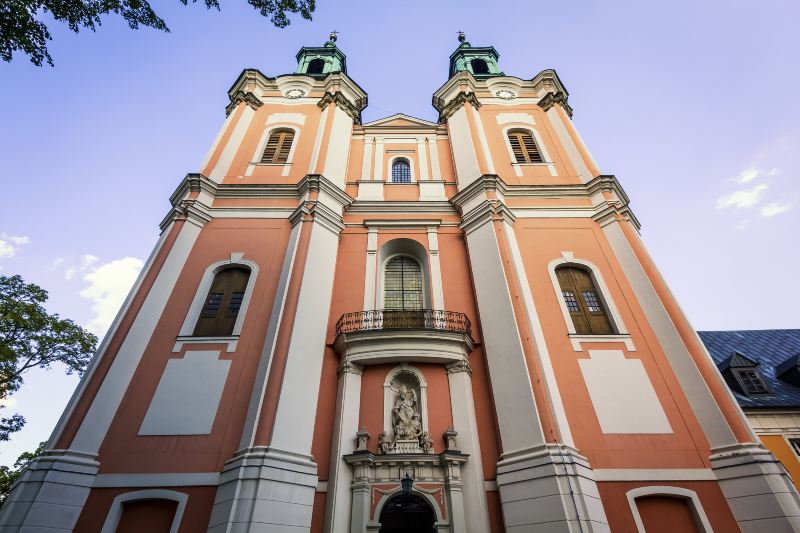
390 319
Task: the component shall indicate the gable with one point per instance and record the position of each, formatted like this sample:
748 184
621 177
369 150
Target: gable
401 121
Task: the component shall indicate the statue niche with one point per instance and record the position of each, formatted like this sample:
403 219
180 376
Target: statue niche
406 419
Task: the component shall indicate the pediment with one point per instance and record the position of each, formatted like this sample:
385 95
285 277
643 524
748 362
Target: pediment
400 121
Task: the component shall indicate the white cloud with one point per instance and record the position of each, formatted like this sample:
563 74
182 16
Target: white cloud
775 208
87 260
743 225
57 262
751 173
107 286
70 272
10 244
742 197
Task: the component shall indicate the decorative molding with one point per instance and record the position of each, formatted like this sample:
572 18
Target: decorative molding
550 99
347 367
447 110
341 101
459 366
241 96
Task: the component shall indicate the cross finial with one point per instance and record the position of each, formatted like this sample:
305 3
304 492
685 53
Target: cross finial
333 35
461 36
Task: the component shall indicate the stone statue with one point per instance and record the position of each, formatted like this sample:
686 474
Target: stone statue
405 415
384 443
426 442
361 439
450 438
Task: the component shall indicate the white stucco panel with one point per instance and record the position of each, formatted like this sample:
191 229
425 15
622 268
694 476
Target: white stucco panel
188 395
622 394
284 118
515 118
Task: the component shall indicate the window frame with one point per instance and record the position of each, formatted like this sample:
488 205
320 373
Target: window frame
402 289
545 153
255 161
536 143
621 334
186 334
316 61
407 159
737 371
280 130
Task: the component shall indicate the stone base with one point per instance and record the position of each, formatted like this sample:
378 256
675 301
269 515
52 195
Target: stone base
263 489
50 494
406 446
549 488
757 487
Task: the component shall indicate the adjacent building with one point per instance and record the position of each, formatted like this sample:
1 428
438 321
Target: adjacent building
761 369
401 325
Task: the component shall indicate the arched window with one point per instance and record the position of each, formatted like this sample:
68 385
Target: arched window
524 147
222 304
402 287
278 146
479 66
401 171
583 302
316 66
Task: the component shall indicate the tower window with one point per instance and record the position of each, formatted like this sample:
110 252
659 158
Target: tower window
583 302
401 171
479 66
222 304
402 284
524 147
278 146
316 66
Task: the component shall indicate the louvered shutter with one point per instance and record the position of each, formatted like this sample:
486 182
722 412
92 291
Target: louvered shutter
221 307
278 147
524 147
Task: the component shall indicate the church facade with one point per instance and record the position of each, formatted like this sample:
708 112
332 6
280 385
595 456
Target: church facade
401 325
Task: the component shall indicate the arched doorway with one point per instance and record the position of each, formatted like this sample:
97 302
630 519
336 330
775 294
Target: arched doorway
407 514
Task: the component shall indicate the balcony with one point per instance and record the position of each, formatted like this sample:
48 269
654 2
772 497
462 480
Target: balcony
385 336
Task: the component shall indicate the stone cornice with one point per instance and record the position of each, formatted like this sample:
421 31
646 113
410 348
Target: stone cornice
550 99
319 198
486 198
247 97
456 103
343 103
345 93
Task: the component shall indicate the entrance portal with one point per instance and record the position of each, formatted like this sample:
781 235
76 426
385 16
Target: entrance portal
407 514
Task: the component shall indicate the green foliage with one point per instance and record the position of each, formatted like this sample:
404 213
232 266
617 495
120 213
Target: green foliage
21 26
30 337
9 475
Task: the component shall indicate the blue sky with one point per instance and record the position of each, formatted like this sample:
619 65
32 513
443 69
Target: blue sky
692 105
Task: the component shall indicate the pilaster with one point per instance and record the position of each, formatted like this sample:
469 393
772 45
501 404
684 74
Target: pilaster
340 480
462 405
758 489
50 493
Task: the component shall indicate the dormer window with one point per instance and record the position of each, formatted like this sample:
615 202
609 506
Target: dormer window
742 374
316 66
401 171
751 381
479 66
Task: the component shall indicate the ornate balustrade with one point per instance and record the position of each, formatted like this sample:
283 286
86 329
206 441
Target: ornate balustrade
385 319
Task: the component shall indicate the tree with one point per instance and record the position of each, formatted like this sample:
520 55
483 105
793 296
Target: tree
9 475
30 337
21 26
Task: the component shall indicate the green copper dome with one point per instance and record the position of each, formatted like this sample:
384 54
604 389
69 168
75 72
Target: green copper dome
321 61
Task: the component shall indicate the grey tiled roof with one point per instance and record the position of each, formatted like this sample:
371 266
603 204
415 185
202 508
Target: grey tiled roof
769 348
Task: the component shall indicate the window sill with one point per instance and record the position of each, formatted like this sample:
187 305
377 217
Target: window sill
231 341
542 164
578 339
259 164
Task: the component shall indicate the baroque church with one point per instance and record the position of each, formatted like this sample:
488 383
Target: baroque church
401 325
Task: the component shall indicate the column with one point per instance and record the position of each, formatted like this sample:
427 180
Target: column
423 158
340 480
377 168
371 269
432 189
437 292
462 405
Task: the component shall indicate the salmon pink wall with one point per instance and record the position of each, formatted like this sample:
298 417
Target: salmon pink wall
263 241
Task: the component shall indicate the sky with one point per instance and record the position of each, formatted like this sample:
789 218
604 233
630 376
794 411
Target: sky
692 105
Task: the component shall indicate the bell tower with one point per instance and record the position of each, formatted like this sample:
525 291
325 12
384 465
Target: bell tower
481 62
323 60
